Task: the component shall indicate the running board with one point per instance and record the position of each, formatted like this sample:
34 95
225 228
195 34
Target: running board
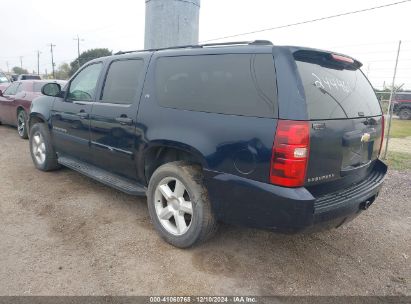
113 180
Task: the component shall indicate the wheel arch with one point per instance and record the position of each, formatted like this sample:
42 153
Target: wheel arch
35 118
162 152
20 108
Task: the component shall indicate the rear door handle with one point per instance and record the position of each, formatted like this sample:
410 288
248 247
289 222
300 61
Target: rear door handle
124 120
83 115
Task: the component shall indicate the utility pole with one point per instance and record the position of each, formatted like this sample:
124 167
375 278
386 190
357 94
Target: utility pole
21 62
52 58
78 49
390 101
171 23
8 70
38 62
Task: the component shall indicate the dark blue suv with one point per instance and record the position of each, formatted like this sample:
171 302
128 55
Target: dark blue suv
275 137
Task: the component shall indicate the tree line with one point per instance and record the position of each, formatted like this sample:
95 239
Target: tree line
65 70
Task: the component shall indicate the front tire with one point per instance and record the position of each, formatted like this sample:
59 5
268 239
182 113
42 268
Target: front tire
405 114
179 206
22 124
42 152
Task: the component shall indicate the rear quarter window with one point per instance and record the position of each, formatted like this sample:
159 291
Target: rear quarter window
337 93
238 84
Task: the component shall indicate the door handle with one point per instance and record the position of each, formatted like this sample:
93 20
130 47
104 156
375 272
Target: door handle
83 115
124 120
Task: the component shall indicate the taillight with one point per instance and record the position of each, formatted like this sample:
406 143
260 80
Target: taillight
382 133
290 153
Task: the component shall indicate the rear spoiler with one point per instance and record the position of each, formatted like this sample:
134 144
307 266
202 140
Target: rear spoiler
327 59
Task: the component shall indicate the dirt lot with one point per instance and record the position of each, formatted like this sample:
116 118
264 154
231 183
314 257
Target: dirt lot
64 234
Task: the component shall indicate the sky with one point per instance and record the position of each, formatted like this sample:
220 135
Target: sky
371 37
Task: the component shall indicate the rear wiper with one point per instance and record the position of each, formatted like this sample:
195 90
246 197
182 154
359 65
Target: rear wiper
329 94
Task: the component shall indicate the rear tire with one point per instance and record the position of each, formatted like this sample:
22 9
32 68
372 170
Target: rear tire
179 206
405 114
42 152
22 124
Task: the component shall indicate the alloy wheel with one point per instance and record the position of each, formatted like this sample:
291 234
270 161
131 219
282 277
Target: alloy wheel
173 206
39 148
21 123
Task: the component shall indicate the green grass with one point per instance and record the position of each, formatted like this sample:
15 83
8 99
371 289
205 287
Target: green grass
398 161
400 128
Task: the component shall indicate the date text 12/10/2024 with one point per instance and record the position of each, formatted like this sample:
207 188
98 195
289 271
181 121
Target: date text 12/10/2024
203 299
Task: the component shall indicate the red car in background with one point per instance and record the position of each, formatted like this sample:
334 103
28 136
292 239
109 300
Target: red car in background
402 105
15 102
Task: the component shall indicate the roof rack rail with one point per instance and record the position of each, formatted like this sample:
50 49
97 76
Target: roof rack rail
255 42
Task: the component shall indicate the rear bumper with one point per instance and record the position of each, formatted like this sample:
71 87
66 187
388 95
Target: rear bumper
250 203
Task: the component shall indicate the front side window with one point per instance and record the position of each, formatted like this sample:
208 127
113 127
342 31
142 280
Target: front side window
237 84
123 81
12 89
83 87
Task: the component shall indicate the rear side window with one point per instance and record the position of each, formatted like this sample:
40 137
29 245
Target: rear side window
333 93
239 84
123 81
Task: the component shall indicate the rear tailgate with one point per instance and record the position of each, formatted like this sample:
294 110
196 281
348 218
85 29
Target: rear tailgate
346 120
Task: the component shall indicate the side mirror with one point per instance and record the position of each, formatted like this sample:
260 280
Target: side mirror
52 89
1 93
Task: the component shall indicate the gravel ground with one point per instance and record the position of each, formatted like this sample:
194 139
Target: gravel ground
64 234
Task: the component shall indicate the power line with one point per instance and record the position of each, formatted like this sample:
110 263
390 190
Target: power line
387 60
309 21
367 44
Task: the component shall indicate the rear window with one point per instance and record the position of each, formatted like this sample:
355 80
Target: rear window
238 84
37 86
28 77
334 93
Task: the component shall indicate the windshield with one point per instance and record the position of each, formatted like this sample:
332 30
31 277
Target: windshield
334 93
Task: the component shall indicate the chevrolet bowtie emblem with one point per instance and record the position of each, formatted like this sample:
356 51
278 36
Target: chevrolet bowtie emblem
365 137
